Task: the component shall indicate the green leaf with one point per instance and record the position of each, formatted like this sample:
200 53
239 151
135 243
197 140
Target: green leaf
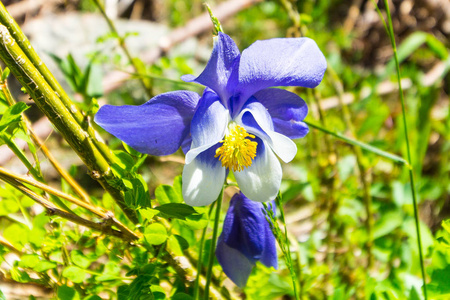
29 261
19 276
148 213
44 265
177 244
123 292
414 295
437 46
74 273
12 114
167 194
388 223
17 234
92 297
124 160
67 293
181 296
136 194
155 234
110 272
440 285
130 150
158 292
196 221
176 210
8 206
79 259
5 74
94 87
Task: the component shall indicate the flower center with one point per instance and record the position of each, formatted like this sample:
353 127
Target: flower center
237 151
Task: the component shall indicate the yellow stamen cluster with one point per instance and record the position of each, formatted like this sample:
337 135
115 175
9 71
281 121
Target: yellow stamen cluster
237 151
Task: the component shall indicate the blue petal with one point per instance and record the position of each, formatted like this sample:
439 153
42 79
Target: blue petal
280 62
234 263
218 71
208 124
287 111
269 255
203 178
244 239
245 229
157 127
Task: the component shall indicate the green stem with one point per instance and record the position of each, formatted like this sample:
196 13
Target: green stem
53 210
49 103
334 78
124 47
212 248
19 153
200 258
25 45
294 278
26 126
408 148
364 146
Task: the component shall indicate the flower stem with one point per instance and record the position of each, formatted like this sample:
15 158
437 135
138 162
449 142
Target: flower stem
200 258
282 239
212 248
408 148
360 144
279 203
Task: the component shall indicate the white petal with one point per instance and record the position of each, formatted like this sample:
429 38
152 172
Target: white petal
261 181
283 146
203 179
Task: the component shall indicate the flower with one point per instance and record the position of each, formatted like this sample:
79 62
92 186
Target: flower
239 124
246 238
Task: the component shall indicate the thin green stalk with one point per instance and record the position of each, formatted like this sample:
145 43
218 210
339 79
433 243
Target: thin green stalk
363 145
281 240
279 203
26 126
19 153
359 160
25 213
53 210
200 258
293 14
408 148
25 45
105 215
124 47
199 266
49 103
212 249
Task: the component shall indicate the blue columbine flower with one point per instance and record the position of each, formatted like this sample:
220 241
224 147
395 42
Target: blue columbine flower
239 124
246 238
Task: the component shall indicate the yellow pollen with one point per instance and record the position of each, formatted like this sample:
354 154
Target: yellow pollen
237 151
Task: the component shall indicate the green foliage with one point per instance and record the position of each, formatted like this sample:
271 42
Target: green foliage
11 116
330 238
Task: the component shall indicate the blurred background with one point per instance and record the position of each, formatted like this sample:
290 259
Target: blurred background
349 212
